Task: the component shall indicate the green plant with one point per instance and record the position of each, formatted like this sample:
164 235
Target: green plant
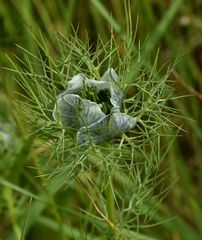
116 180
175 26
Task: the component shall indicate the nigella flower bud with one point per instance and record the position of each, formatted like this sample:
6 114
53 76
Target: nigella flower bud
6 143
93 108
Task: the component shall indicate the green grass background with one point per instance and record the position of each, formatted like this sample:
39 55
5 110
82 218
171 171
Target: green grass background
173 26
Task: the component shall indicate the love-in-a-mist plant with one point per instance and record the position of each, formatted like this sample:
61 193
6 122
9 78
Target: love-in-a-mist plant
100 114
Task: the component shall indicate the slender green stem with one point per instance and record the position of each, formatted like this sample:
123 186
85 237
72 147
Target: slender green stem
8 197
110 204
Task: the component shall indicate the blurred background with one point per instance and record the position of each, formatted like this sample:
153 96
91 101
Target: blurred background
173 26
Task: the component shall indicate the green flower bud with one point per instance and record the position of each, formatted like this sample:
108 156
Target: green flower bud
93 108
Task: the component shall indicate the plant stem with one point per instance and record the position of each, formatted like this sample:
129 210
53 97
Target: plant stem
110 204
110 200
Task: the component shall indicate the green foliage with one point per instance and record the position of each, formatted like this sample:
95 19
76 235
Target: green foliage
74 192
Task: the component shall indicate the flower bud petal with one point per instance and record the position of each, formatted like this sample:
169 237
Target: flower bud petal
120 123
77 112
